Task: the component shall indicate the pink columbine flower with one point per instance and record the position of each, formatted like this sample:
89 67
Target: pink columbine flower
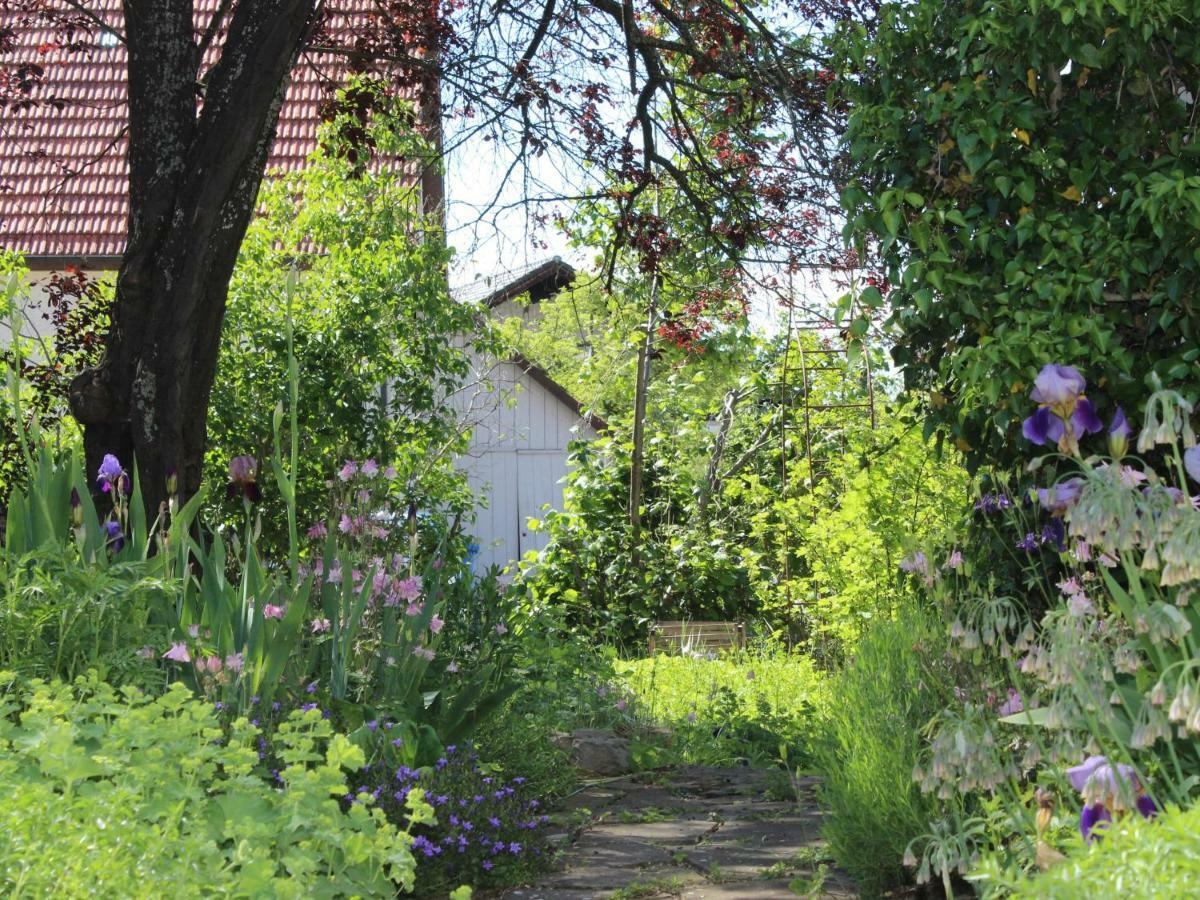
370 468
335 575
424 653
435 624
390 473
348 471
193 631
345 524
271 611
409 588
501 628
317 530
363 496
320 626
452 668
955 560
178 653
415 609
1080 605
621 705
211 664
147 652
235 662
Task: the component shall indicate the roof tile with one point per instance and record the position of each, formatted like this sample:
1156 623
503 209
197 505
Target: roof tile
64 172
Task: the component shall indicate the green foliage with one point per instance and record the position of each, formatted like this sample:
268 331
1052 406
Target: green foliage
1027 175
148 798
372 326
43 346
586 339
753 509
75 596
889 492
760 705
605 579
1156 860
898 678
60 616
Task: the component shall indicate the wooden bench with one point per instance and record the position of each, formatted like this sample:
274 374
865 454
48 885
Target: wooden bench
697 637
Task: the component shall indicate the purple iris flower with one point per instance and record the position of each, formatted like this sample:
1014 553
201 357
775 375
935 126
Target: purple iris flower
1043 427
116 538
1118 434
243 478
1106 788
1191 462
111 475
1061 497
1064 413
1056 385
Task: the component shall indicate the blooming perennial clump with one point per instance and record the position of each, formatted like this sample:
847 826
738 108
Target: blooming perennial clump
487 827
1111 663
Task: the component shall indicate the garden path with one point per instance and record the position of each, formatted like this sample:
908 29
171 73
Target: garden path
696 832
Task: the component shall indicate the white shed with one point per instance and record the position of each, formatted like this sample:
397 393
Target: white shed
521 421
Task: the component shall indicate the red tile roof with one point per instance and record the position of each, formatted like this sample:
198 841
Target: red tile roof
64 194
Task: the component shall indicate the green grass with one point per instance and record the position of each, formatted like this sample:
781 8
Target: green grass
895 683
657 887
739 706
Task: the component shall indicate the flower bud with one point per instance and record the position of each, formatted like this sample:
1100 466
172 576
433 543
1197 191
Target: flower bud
1158 694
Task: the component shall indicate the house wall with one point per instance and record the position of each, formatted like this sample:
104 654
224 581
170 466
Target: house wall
517 458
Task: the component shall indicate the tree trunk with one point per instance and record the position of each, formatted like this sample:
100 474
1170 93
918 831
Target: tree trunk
194 171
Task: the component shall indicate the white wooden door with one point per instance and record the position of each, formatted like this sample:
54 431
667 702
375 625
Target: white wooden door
539 477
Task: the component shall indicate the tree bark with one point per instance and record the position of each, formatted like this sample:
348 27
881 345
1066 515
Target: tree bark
198 145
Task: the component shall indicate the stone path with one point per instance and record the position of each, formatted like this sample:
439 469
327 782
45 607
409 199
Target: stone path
696 832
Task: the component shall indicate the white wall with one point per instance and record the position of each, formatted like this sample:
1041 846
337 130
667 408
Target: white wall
517 458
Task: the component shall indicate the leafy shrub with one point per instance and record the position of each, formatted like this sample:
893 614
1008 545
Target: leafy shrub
899 677
60 616
148 797
489 829
45 356
1157 860
1024 206
1099 676
370 323
758 705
